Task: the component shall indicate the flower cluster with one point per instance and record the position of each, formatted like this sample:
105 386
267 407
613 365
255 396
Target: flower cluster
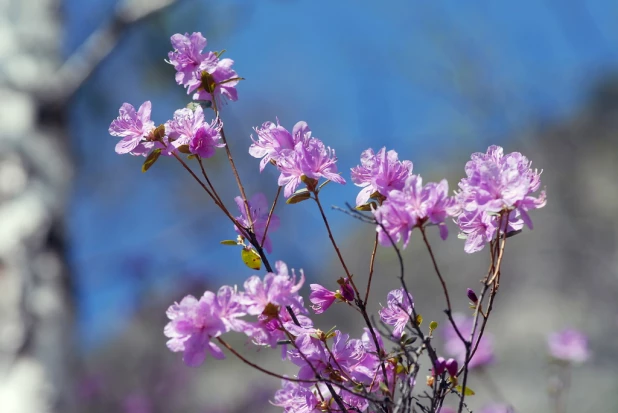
187 131
204 74
379 173
297 155
495 184
411 207
194 323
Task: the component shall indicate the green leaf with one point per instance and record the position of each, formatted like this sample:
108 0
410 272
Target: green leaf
251 258
384 388
151 159
467 391
432 326
192 156
193 106
229 242
419 320
299 196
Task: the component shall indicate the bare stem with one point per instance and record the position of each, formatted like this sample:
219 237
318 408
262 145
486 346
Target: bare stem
371 264
270 214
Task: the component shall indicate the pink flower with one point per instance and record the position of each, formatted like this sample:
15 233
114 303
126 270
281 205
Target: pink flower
274 139
413 206
310 158
398 312
321 298
381 172
202 73
569 345
276 288
193 324
134 127
496 183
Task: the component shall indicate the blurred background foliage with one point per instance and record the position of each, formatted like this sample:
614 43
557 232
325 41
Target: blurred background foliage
435 81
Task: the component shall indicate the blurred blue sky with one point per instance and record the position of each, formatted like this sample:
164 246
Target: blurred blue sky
429 79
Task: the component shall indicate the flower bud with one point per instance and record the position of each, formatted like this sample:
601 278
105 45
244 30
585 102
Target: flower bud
451 367
472 296
346 289
440 366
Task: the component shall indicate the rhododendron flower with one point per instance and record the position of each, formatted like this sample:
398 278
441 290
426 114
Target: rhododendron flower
310 158
295 398
398 312
411 207
276 288
202 73
134 127
453 345
274 139
496 183
259 209
569 345
193 324
321 298
188 128
381 172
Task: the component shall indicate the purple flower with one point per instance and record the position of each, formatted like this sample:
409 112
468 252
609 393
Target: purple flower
193 323
569 345
259 209
230 308
202 73
453 345
134 127
321 298
274 139
311 159
276 288
381 172
496 183
451 366
412 206
206 139
398 312
472 296
295 398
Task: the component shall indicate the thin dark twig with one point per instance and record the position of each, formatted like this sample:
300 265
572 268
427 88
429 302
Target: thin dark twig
371 264
270 214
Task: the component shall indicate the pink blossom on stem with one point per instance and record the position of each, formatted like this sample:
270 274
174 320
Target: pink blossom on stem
273 139
134 128
193 324
398 311
381 172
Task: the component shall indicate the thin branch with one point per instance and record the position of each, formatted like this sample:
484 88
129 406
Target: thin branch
371 264
270 214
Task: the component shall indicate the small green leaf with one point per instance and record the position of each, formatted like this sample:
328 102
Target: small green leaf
192 156
251 258
151 159
419 320
467 391
229 242
384 388
184 149
432 326
299 196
